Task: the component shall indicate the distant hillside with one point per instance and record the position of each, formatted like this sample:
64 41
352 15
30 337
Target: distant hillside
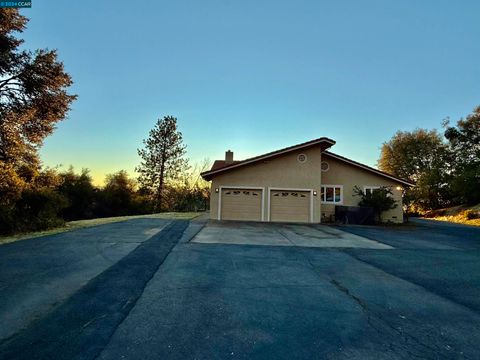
469 215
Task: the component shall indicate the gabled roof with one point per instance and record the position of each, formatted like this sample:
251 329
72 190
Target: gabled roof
368 168
220 166
207 175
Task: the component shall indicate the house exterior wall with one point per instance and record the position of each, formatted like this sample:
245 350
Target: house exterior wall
284 171
342 173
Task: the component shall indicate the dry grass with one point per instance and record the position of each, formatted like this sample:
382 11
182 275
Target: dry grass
78 224
457 214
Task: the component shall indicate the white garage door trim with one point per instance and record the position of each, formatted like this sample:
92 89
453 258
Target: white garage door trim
219 217
288 189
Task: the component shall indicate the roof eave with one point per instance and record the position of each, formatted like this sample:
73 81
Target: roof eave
368 168
208 175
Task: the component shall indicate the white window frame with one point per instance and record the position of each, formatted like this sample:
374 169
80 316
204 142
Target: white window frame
269 189
220 188
370 187
373 187
323 198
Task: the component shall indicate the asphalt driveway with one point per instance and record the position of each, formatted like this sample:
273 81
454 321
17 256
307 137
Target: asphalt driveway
39 273
171 296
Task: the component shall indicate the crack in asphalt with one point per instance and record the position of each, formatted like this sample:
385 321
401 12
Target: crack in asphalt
410 281
409 345
363 305
209 287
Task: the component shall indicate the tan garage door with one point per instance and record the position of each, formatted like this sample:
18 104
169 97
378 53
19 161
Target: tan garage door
241 204
291 206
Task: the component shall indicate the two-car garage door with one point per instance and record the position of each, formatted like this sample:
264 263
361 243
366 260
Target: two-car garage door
247 204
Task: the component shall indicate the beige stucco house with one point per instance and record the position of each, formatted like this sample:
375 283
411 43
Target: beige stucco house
300 183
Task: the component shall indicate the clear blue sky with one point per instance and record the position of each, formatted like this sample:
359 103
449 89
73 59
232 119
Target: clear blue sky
255 76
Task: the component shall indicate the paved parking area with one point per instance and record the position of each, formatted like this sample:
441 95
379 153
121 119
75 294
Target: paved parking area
283 302
268 234
37 274
416 298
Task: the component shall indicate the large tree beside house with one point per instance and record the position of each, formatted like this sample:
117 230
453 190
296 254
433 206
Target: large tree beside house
422 157
464 140
34 97
162 159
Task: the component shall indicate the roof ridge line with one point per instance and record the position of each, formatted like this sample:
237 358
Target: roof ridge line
207 174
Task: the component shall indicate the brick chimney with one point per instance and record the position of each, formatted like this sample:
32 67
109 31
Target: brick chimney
228 157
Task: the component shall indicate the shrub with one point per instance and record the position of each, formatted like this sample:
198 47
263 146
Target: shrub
39 210
81 194
183 198
380 200
117 196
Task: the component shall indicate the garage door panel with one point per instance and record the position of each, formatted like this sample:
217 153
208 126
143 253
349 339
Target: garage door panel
290 206
241 204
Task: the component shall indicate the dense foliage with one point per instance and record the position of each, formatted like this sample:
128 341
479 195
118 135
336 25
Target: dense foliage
464 140
445 169
56 197
33 99
33 96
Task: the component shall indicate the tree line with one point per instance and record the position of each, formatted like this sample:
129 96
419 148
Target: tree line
58 196
445 167
49 197
34 97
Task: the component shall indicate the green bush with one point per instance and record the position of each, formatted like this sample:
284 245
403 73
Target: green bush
7 216
379 200
184 198
81 195
38 209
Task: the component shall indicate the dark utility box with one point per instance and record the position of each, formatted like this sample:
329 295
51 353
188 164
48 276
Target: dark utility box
354 215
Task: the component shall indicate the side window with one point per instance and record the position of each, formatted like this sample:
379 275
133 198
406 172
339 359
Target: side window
331 194
370 189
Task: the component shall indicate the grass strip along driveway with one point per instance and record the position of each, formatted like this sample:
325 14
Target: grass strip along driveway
82 326
80 224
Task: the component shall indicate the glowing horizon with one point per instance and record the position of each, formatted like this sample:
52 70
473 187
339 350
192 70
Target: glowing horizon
254 78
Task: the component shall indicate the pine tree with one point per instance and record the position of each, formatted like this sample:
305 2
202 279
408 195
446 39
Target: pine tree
162 159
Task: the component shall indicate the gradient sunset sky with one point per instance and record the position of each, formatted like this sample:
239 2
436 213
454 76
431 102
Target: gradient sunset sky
255 76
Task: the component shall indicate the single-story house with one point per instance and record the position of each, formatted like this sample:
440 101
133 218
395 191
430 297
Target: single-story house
300 183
